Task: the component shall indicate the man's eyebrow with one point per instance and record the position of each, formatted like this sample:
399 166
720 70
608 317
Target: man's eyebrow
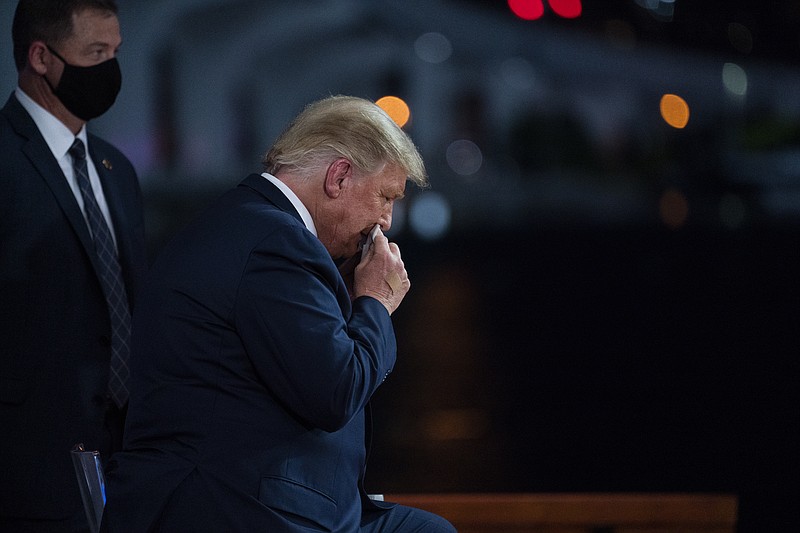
396 194
103 42
98 44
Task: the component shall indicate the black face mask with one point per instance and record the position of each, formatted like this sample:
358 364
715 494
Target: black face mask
88 92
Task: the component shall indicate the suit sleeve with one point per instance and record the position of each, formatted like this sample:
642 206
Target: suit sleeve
291 316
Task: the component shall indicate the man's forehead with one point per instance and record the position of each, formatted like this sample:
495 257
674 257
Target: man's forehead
393 178
93 24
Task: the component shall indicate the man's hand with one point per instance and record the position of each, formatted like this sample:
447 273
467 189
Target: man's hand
381 274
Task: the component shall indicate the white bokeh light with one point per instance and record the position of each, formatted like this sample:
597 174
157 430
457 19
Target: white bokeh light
734 78
464 157
518 73
430 215
433 47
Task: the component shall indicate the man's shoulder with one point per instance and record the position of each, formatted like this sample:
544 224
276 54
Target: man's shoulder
7 131
17 129
10 104
11 114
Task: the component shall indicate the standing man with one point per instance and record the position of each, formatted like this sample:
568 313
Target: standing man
254 360
71 253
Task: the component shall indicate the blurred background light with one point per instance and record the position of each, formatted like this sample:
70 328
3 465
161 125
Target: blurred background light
430 215
464 157
649 4
674 111
527 9
662 10
518 73
740 37
433 47
734 79
396 108
455 424
568 9
673 208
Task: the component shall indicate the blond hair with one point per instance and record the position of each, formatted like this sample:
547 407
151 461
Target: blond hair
345 126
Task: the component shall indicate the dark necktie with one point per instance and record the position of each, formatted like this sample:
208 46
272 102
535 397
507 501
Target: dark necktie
110 279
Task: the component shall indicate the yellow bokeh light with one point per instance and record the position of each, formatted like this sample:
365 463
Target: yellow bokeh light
674 110
396 108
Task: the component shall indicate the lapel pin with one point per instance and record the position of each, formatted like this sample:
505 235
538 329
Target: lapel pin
107 164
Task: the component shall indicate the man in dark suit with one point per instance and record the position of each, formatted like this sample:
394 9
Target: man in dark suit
69 263
254 358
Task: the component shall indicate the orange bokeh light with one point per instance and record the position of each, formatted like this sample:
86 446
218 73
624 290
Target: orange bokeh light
396 108
674 110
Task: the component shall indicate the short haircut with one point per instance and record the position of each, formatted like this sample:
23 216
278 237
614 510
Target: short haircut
49 21
345 126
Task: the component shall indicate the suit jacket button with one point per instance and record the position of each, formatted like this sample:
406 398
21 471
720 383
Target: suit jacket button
105 341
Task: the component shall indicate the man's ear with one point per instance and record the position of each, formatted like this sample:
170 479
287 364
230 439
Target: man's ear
338 176
36 57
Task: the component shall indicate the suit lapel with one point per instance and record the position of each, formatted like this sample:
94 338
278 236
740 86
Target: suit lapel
40 156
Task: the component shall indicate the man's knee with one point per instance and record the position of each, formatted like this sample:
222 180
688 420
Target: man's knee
403 519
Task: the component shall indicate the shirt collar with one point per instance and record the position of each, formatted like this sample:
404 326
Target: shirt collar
301 209
58 137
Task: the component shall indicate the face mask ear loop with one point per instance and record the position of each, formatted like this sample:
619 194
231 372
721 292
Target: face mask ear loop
56 54
52 88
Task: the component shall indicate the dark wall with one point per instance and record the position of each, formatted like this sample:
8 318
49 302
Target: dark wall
599 360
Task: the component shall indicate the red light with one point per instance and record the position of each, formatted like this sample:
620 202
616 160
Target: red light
527 9
569 9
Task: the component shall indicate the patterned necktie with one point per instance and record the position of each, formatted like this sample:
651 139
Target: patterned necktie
110 279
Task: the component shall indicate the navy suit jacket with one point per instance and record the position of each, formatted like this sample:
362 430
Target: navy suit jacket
54 322
252 371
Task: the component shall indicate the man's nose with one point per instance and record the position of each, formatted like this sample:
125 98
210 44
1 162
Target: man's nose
386 221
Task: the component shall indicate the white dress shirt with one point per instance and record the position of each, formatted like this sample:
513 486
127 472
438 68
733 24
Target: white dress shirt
59 139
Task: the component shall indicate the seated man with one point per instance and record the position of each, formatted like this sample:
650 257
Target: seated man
254 360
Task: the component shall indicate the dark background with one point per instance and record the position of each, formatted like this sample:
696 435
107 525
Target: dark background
626 360
608 303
